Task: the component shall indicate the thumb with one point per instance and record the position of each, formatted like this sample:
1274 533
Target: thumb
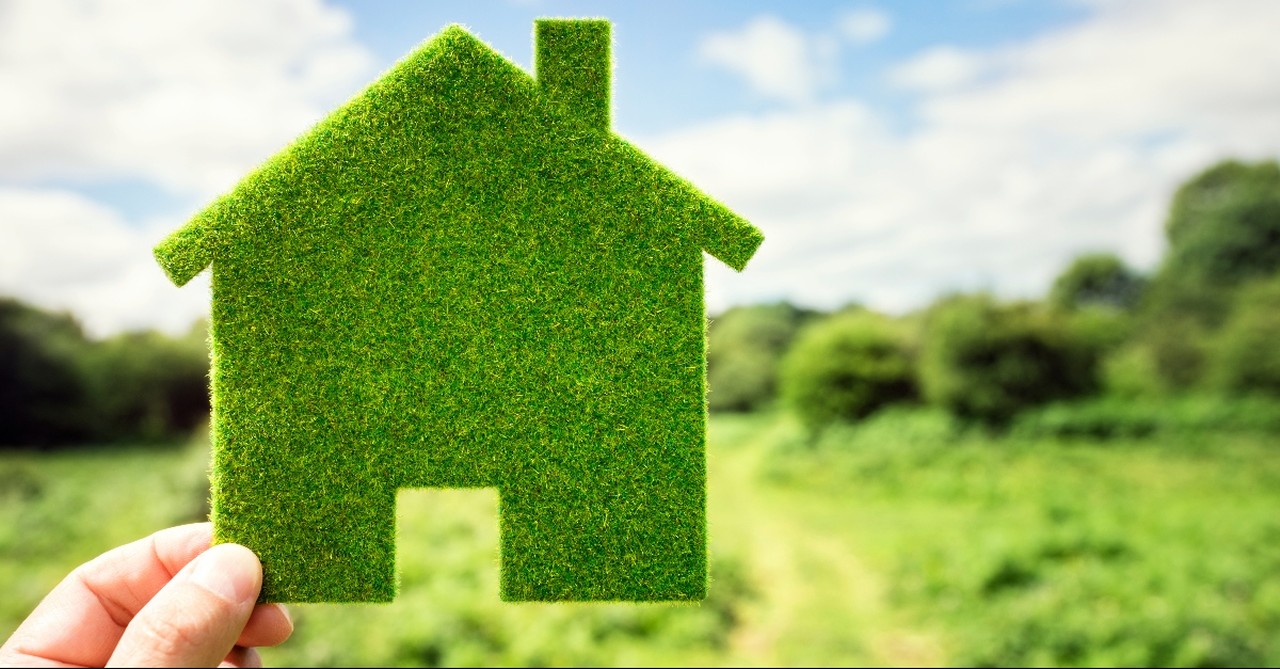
196 618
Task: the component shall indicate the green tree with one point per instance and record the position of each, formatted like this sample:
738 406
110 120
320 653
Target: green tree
745 345
1245 355
1224 224
1223 230
986 361
1097 279
847 366
151 386
43 394
58 387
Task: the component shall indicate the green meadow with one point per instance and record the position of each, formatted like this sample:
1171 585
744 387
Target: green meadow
906 539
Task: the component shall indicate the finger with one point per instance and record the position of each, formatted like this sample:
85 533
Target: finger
194 621
82 619
270 625
242 657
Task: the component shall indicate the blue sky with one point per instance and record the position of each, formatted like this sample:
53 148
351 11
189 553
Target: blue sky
890 151
661 82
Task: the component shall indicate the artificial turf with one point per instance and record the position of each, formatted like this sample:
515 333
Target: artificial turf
460 278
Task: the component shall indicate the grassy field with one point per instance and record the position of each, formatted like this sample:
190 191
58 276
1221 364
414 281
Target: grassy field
901 542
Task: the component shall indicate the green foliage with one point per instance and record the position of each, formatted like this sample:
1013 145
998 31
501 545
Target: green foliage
1117 417
1224 224
1038 551
43 398
845 367
59 388
744 348
1185 296
986 362
150 386
1127 366
1245 357
460 279
1131 372
1224 232
1098 279
1177 346
1175 332
1098 329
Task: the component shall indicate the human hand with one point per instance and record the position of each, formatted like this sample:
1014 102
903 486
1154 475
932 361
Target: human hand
168 600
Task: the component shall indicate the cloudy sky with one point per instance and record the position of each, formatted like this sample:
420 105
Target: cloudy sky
890 151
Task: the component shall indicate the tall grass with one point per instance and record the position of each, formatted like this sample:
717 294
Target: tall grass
1063 550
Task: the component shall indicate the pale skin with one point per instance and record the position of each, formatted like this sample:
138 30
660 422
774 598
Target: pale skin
169 600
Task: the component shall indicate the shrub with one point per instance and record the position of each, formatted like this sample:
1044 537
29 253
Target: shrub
43 394
1099 279
986 362
57 387
845 368
1224 232
150 386
1245 355
744 349
1131 372
1110 417
1100 329
1224 224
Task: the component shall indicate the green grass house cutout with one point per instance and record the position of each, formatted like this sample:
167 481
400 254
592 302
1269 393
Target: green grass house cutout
463 278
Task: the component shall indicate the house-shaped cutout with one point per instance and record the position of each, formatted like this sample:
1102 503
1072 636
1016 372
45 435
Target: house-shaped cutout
463 278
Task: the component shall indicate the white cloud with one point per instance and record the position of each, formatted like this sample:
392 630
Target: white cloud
64 251
938 69
1138 68
1068 142
865 25
777 59
187 95
780 61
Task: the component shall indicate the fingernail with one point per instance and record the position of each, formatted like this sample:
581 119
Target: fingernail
229 571
287 616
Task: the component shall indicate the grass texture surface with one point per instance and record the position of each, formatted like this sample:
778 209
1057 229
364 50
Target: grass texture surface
462 278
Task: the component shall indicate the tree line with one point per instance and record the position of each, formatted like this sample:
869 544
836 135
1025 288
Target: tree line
59 387
1206 320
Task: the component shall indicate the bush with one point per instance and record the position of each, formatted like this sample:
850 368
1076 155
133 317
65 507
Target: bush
1178 346
1100 329
845 368
745 346
149 386
1131 372
1245 355
1224 224
43 394
58 387
1098 279
1224 232
986 362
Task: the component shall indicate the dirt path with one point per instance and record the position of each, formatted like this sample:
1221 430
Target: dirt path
818 603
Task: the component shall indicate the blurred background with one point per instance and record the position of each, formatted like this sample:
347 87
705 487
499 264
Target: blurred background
1002 387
